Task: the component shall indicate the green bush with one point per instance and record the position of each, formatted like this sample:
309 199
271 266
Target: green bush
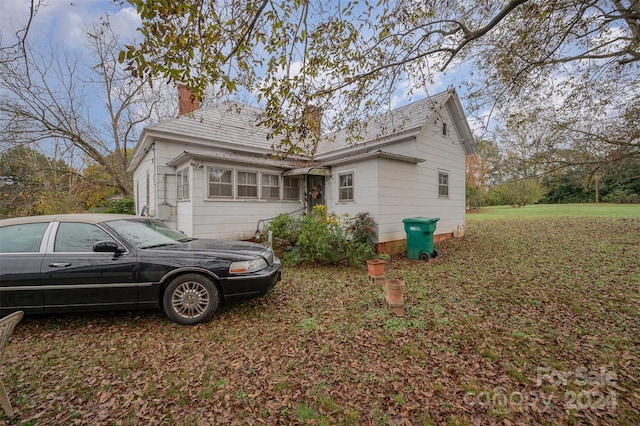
285 231
622 196
123 206
363 229
323 237
518 193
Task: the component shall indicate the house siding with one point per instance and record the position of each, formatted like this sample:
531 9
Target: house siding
442 153
412 190
365 176
401 196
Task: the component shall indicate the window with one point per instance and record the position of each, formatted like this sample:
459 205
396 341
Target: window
444 129
22 238
247 185
78 237
443 185
291 188
220 182
345 187
270 186
182 177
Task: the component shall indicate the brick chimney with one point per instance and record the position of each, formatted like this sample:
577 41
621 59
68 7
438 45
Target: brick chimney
186 101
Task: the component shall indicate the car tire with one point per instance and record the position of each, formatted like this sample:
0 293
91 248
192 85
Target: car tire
191 299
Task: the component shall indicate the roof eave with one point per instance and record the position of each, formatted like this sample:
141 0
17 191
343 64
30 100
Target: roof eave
369 145
185 156
375 154
462 125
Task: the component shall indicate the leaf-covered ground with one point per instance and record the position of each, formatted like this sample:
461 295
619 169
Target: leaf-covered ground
533 321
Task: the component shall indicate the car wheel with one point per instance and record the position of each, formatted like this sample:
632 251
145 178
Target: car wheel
191 299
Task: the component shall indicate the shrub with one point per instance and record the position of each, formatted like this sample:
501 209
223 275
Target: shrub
623 196
123 206
363 229
321 239
285 231
324 237
518 193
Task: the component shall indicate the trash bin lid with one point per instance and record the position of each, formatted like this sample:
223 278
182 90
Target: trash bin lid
421 219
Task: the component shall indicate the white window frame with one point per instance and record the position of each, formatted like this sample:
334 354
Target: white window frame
221 184
288 179
247 185
183 186
263 186
443 184
351 187
444 128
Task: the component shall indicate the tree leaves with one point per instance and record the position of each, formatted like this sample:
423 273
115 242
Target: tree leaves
349 61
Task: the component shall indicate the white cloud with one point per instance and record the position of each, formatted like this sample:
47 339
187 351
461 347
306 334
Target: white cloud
62 21
125 22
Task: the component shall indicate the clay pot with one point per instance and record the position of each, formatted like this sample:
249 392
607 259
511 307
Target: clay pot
376 267
394 290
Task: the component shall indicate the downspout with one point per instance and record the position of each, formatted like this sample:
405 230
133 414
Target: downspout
154 161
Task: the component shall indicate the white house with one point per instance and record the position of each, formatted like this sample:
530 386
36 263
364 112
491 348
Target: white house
212 173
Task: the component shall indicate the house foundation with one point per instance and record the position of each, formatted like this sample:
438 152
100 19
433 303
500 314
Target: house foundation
400 246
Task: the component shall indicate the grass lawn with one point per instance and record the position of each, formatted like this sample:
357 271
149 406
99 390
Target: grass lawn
532 318
602 210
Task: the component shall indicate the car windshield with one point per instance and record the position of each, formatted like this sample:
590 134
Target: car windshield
148 233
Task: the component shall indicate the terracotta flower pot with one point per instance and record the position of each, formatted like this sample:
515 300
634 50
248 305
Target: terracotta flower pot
376 267
394 290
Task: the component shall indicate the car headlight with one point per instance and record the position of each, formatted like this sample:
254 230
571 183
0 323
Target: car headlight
247 266
268 255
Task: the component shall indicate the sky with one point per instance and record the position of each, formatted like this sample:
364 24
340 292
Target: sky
63 21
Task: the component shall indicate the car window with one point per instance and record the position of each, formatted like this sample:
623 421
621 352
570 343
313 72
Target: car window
25 238
145 234
78 237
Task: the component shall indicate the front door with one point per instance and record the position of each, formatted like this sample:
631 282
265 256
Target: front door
315 192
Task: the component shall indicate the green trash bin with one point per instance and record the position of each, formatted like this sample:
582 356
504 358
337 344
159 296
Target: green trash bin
419 232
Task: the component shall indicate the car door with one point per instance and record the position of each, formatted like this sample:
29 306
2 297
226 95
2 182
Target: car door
77 278
21 251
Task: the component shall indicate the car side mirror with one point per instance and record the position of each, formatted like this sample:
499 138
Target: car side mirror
107 247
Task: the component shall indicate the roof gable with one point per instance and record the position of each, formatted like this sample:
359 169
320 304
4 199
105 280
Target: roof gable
395 123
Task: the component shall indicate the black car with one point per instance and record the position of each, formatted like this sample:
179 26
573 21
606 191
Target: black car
97 262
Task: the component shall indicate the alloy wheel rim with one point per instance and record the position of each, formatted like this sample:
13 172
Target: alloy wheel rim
190 299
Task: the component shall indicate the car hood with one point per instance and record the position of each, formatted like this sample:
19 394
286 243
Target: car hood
226 249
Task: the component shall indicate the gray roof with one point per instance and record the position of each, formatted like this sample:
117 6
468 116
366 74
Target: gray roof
228 122
403 120
235 128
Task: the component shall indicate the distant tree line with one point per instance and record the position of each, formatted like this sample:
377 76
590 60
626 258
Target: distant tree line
32 183
497 176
